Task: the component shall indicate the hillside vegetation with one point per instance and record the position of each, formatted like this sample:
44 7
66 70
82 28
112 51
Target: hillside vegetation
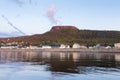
70 35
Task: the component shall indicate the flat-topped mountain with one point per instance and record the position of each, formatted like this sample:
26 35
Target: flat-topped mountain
63 27
70 35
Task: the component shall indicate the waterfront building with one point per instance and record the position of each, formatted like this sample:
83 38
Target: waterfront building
76 45
9 47
46 47
83 47
97 46
64 46
108 47
117 45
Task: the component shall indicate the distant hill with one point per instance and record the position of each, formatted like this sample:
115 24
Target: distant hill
70 35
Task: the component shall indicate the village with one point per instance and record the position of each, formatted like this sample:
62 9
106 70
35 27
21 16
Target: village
26 45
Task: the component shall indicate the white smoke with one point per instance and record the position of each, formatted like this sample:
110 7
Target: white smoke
51 14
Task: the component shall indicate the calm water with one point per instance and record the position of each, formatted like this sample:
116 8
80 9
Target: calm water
37 65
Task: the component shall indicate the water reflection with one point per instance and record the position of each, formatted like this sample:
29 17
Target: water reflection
69 62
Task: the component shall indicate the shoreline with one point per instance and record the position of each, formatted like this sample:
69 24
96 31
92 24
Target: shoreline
68 50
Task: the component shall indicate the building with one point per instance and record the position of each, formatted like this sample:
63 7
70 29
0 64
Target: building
83 47
117 45
9 47
97 46
108 47
64 46
46 47
76 45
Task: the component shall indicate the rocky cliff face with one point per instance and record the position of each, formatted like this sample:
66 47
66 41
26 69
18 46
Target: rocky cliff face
63 27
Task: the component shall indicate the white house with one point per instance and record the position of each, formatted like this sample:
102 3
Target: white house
117 45
83 47
46 47
64 46
108 47
76 45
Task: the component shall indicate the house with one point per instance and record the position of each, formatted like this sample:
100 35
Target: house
108 47
31 47
64 46
117 45
97 46
83 47
46 47
76 45
9 47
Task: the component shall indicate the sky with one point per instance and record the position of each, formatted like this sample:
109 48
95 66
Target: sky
38 16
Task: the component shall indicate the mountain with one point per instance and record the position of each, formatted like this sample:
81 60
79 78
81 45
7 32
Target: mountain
70 35
63 27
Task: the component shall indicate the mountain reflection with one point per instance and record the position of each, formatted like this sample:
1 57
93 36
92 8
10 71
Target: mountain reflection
70 62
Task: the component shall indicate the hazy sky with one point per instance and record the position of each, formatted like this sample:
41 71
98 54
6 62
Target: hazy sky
38 16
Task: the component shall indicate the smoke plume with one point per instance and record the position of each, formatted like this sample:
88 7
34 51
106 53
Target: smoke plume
51 14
